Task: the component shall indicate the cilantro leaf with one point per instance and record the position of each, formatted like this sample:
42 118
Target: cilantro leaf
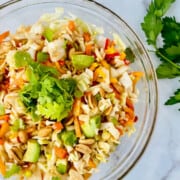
49 97
55 98
129 54
160 7
170 32
173 52
165 70
174 99
152 26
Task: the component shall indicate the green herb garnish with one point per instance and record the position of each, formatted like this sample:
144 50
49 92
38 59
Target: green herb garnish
155 25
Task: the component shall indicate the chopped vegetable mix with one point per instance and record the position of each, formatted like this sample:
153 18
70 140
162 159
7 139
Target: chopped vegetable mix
67 96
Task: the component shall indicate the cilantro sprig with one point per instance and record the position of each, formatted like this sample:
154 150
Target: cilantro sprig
45 95
155 25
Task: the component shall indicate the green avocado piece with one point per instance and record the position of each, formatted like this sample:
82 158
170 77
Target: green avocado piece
89 128
81 61
68 137
62 166
33 151
88 131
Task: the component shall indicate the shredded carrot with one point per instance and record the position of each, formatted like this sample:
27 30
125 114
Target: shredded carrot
4 129
58 126
117 94
105 64
129 123
71 25
2 167
120 131
122 56
137 76
81 122
4 35
113 80
4 117
88 49
94 66
60 152
1 141
129 103
77 127
87 37
91 164
130 113
99 75
77 107
86 176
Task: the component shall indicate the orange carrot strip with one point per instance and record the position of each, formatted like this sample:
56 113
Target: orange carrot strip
4 35
87 37
1 141
120 131
88 49
4 129
2 167
77 107
4 117
129 103
58 126
105 64
129 123
71 25
137 76
60 152
91 164
122 55
130 112
86 176
77 127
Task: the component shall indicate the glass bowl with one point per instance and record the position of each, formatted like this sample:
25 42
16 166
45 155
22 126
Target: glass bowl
131 148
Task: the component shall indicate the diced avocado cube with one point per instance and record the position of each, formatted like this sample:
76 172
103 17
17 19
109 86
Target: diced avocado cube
22 58
42 56
32 153
62 166
88 131
89 128
81 61
96 121
48 34
68 137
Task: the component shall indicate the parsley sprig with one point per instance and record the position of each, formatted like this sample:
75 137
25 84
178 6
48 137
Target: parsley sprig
155 25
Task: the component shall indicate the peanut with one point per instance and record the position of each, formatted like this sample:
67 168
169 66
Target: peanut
44 132
23 137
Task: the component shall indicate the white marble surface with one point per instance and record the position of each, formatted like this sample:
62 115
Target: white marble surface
161 160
